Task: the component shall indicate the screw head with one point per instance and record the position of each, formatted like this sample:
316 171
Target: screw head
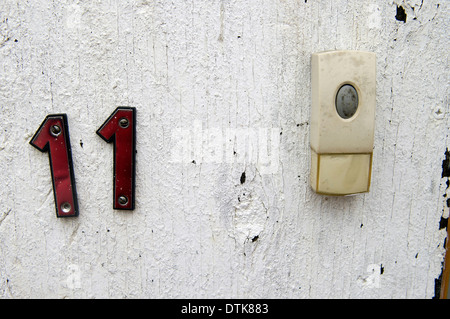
346 101
55 130
66 207
123 200
123 122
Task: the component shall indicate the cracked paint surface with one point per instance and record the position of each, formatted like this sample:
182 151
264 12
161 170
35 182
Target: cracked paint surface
199 228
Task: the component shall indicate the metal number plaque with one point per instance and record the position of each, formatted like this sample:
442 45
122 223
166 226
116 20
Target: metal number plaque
120 129
53 137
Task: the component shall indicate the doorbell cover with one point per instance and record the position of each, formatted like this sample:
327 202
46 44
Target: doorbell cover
342 121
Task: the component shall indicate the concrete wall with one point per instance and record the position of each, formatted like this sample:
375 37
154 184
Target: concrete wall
221 88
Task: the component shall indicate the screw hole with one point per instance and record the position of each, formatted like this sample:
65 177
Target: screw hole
123 122
66 207
55 130
123 200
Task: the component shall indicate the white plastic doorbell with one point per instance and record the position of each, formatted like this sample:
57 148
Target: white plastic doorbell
342 121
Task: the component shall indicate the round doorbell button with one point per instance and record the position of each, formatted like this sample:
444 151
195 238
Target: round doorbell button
347 101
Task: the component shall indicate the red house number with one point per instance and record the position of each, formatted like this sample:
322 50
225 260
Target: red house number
119 129
53 137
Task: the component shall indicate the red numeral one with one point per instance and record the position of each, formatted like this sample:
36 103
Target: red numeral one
120 128
53 137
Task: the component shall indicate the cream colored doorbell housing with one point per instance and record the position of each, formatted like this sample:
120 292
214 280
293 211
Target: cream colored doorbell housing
342 121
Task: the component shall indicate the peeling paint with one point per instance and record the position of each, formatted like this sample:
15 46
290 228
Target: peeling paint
401 15
242 227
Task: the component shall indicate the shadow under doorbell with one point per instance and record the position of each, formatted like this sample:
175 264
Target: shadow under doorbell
342 121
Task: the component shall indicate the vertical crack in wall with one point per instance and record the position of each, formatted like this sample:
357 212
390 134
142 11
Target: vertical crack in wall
4 215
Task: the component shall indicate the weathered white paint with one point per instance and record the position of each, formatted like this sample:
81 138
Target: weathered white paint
218 68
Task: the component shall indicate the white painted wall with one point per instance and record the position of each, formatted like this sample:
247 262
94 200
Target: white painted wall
213 69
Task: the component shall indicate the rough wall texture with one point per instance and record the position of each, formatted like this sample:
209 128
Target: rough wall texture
207 77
